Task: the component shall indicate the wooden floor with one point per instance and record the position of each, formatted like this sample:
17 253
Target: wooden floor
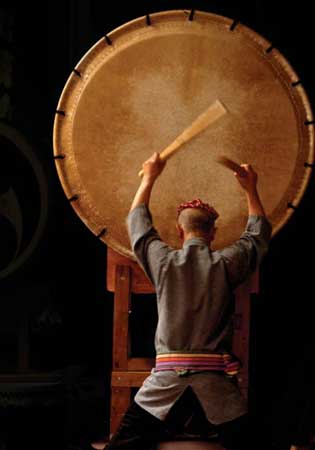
99 445
173 445
189 445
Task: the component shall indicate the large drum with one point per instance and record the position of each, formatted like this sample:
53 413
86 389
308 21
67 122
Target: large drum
144 83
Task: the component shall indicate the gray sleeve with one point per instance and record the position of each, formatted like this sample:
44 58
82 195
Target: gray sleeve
151 252
244 256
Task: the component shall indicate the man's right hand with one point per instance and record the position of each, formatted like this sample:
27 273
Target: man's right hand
248 181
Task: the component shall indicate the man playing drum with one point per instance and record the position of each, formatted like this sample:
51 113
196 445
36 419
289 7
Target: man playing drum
194 288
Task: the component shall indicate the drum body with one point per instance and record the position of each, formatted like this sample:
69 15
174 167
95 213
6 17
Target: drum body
137 89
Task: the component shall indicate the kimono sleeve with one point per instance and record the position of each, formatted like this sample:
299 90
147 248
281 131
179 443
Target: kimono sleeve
150 251
243 256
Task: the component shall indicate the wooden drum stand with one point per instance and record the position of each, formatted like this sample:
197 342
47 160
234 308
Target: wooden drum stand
125 277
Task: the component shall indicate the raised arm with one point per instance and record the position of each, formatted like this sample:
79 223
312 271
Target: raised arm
152 168
245 254
146 243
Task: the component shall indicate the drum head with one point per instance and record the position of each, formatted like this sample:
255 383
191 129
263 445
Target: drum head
137 89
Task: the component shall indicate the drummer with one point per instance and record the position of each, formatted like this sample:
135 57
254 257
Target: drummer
194 287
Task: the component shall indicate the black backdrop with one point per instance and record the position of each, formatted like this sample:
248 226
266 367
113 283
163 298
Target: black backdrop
66 274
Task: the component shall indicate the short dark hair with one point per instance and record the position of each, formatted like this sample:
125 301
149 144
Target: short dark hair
195 219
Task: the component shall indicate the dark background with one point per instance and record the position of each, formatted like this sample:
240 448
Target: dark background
55 311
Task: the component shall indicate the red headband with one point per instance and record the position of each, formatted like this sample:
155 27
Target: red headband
199 205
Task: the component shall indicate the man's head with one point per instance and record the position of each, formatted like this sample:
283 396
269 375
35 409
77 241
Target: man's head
196 219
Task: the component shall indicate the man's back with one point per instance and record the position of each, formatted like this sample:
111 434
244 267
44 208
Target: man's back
194 285
194 301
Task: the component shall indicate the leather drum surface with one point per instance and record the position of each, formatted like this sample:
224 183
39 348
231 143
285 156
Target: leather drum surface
137 89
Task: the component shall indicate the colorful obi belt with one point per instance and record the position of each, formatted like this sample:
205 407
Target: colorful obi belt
198 361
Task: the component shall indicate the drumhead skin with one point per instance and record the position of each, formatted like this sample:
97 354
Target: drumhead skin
138 88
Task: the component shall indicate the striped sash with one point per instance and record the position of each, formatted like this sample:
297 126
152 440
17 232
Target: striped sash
198 361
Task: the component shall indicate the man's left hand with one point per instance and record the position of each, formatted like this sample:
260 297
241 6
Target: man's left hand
152 167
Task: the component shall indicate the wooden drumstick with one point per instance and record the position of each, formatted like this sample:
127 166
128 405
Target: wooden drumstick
210 115
232 165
